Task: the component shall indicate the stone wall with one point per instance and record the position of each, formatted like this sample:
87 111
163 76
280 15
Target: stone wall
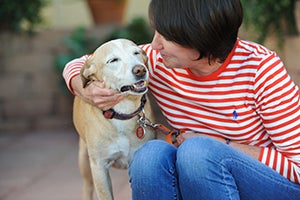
31 97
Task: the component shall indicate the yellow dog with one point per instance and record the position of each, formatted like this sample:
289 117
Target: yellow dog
110 138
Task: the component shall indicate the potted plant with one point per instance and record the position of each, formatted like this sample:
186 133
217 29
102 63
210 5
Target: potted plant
107 11
267 17
16 16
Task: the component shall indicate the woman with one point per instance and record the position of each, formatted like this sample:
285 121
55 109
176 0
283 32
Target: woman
238 106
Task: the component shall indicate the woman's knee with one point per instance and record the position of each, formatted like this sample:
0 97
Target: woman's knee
198 153
152 171
153 155
201 147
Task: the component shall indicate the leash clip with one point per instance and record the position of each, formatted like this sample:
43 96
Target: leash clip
172 136
143 121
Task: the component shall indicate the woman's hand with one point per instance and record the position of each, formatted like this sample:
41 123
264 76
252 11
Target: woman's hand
96 93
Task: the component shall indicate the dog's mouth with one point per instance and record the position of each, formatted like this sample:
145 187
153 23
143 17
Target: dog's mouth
138 87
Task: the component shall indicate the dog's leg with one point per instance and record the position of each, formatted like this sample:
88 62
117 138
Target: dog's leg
101 179
85 169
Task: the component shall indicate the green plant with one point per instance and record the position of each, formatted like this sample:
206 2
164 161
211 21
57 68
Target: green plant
19 16
77 44
270 17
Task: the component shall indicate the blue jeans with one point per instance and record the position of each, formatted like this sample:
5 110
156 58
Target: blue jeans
203 168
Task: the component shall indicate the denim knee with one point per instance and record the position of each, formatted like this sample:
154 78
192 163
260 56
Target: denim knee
197 156
201 171
152 172
153 155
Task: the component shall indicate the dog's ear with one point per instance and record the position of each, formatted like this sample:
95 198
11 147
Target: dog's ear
145 58
88 73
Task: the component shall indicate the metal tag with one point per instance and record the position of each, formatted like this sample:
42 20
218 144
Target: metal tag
140 132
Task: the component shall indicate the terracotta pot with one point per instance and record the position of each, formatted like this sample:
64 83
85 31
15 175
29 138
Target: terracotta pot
107 11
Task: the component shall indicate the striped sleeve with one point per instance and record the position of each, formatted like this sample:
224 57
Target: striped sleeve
72 69
278 104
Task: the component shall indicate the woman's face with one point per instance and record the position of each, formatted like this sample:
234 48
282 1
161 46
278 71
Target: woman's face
174 55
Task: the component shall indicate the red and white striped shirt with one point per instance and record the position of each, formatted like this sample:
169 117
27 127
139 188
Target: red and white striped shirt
250 99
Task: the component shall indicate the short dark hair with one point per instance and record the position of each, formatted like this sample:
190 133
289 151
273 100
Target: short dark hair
209 26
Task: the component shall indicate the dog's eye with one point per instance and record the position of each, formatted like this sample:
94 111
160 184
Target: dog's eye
112 60
137 53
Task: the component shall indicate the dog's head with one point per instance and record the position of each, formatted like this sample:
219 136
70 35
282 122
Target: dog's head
120 64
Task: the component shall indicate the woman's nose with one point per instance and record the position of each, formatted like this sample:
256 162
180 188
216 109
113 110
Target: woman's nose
156 41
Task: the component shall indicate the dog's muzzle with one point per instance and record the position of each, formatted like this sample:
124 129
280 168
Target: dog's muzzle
138 87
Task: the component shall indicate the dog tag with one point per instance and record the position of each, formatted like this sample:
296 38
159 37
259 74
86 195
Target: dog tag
140 132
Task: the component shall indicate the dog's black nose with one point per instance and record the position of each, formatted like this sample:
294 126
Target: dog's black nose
139 70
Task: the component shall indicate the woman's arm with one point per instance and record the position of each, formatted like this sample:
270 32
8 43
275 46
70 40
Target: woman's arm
278 104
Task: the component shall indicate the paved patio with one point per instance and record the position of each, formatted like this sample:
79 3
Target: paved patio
43 165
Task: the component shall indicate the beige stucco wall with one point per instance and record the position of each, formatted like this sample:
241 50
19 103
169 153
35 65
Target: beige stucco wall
65 14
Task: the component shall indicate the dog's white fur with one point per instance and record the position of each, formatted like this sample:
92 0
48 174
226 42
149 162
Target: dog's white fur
110 142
